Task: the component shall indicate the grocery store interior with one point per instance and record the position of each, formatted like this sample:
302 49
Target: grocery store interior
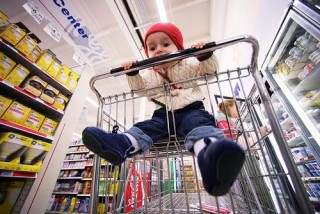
56 79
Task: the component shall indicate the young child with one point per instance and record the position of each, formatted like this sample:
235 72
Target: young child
228 107
219 159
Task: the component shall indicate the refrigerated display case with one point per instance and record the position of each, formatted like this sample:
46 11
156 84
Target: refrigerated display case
292 70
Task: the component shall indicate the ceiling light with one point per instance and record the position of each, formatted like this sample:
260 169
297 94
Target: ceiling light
162 11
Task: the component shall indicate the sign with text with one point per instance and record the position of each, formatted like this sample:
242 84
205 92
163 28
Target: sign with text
61 14
34 11
53 32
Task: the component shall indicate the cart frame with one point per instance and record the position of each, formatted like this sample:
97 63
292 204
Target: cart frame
304 205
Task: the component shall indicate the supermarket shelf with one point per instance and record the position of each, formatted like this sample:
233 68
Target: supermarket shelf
314 199
29 99
306 160
17 174
36 70
65 193
9 126
311 82
60 212
295 141
75 160
79 152
310 179
88 195
101 179
77 145
69 178
73 168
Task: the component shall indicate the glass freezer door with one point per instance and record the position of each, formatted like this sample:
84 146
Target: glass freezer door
295 67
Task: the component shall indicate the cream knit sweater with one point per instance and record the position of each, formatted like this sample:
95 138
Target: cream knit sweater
185 69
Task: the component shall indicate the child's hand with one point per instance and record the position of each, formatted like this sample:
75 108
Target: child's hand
204 56
198 45
128 65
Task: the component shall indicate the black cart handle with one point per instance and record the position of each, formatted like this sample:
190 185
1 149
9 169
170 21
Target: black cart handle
167 57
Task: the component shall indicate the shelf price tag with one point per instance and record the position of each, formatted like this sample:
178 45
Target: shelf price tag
34 11
53 32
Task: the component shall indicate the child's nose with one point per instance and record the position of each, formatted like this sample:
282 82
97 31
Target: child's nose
159 49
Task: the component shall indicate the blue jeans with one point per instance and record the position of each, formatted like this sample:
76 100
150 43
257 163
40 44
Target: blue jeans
192 122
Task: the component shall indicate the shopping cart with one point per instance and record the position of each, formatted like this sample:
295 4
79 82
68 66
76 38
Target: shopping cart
166 179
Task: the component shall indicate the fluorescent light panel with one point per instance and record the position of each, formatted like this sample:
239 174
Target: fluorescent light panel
162 11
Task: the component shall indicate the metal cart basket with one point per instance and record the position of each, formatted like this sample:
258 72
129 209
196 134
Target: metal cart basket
166 179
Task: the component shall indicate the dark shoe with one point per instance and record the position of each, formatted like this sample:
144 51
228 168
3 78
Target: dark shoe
110 146
220 163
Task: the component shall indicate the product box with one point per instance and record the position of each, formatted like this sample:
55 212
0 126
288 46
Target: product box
63 74
34 55
45 59
12 164
48 126
16 113
10 192
3 17
34 85
54 68
60 101
4 104
6 65
14 32
27 43
34 120
13 145
72 81
49 94
17 75
36 152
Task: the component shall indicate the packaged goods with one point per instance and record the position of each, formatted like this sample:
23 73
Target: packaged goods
60 101
45 59
63 74
6 65
27 43
34 120
3 17
54 68
16 113
35 152
34 55
14 32
4 104
72 80
11 143
49 93
48 126
34 85
17 75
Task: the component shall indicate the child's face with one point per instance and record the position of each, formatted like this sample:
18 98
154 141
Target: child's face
158 44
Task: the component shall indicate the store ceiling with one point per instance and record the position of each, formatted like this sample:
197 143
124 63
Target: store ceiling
108 20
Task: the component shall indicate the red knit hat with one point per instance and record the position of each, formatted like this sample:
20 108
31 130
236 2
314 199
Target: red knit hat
168 28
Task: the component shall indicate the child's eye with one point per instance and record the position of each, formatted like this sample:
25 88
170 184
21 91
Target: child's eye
166 44
151 49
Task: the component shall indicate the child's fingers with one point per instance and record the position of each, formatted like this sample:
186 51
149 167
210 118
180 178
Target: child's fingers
198 45
128 65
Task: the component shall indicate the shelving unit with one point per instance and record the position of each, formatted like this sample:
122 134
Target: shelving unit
73 187
293 72
189 179
31 181
13 170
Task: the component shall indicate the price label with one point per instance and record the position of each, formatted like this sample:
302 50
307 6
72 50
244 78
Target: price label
34 11
78 58
53 32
